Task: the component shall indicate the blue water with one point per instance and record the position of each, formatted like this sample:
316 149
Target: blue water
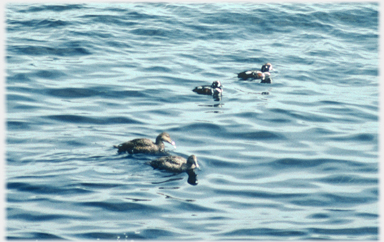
300 163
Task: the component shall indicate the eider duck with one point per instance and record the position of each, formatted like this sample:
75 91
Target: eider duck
264 74
145 145
175 163
215 89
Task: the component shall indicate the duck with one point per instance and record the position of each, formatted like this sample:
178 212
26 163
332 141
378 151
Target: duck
264 74
176 164
144 145
215 89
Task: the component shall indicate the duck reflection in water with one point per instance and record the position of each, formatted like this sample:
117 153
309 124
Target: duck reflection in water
178 164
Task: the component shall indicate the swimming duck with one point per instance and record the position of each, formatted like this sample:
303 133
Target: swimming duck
215 89
264 74
145 145
175 163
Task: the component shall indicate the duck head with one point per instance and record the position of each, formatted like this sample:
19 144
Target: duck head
192 162
267 67
216 84
165 137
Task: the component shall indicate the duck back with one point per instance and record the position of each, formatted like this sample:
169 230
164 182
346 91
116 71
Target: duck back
140 146
175 163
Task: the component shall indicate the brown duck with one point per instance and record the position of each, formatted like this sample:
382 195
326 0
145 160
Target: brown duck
175 163
145 145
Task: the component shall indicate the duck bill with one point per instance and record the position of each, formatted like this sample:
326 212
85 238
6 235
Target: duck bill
173 143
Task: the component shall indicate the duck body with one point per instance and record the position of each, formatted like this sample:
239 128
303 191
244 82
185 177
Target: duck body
144 145
215 89
175 163
264 74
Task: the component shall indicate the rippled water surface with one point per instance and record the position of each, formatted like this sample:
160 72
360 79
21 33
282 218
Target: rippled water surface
298 163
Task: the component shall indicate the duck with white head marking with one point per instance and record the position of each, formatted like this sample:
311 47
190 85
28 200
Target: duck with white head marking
264 74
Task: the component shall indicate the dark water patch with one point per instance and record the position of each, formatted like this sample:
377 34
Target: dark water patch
20 97
18 125
75 143
159 234
88 120
44 189
200 128
124 207
265 232
44 50
313 201
356 138
167 181
366 196
352 231
349 152
51 74
367 215
140 15
14 25
38 217
249 115
93 35
361 17
279 120
261 195
72 92
349 199
20 77
332 103
110 20
35 236
318 216
54 8
155 33
349 36
50 23
348 180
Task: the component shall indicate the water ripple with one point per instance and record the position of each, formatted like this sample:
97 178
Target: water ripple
300 163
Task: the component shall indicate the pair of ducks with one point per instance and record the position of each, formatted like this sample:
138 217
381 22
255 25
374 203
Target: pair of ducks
216 89
170 163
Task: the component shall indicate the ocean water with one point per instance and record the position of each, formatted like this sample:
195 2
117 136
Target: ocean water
300 163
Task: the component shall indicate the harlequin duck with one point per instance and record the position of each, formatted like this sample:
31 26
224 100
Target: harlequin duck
264 74
175 163
215 89
145 145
